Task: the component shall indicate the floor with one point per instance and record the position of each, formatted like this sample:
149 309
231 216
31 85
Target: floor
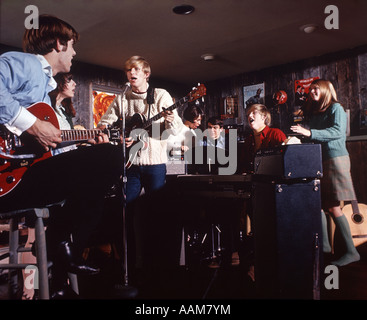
198 282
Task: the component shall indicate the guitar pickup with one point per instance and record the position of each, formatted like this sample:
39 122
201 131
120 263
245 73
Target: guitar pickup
114 134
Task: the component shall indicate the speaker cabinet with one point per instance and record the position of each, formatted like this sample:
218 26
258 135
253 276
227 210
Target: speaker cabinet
292 161
287 234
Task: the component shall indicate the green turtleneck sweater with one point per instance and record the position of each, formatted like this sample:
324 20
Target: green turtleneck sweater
329 129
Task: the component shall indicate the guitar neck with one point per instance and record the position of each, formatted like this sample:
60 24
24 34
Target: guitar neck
179 103
79 135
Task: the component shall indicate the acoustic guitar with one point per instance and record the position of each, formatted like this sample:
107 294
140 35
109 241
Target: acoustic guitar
356 214
18 154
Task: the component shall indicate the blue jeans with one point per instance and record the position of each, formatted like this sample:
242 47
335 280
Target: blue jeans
151 178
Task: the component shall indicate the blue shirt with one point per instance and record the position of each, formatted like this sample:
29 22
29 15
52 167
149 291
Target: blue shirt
24 79
219 143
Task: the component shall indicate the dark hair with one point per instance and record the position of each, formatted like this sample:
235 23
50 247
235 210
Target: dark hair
215 121
192 112
62 79
44 40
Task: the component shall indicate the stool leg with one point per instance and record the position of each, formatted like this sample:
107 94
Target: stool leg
213 242
13 256
42 259
28 258
73 279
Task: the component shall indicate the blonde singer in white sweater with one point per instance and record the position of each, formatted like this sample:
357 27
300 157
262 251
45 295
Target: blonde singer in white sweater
148 168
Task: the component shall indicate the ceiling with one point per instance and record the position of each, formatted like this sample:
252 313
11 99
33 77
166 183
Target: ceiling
243 35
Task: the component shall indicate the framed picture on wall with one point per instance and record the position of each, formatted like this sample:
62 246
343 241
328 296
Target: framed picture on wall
102 97
253 94
231 107
301 88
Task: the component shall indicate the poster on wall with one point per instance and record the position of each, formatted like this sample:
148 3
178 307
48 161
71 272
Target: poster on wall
230 107
101 101
301 88
253 94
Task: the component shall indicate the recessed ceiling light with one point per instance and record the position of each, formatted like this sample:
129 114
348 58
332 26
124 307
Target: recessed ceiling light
208 57
183 9
308 28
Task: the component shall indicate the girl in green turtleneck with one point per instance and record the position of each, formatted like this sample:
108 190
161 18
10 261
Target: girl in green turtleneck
327 125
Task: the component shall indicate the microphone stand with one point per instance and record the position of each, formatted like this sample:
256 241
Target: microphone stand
125 290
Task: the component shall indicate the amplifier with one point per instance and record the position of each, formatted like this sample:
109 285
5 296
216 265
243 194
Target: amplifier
290 161
288 239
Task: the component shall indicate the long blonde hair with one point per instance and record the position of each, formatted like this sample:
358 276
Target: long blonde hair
327 97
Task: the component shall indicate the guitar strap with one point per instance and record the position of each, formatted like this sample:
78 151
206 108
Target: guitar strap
150 95
150 98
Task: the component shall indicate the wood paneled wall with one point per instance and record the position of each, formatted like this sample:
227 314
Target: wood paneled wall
347 71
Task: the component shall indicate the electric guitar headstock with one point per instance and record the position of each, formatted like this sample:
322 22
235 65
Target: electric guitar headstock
197 92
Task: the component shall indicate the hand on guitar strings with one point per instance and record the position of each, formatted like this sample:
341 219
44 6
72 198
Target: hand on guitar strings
128 142
168 116
100 138
46 134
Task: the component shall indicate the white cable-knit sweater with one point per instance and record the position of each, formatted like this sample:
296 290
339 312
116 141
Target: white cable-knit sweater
131 103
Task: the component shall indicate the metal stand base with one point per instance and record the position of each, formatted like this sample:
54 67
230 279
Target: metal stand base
125 291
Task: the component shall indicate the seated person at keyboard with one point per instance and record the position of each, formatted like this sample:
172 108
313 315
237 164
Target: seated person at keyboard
216 137
262 135
205 157
213 143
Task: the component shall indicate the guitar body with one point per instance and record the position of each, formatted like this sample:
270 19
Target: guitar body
25 151
18 154
134 129
357 219
136 122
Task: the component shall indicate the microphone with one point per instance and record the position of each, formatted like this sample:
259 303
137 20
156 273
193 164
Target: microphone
125 88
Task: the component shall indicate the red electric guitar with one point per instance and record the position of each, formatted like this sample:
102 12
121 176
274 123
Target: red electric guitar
18 154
